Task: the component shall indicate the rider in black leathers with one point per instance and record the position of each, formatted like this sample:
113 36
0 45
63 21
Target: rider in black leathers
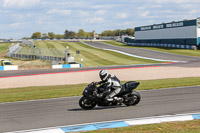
111 84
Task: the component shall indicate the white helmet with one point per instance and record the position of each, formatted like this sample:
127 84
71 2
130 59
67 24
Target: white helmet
103 74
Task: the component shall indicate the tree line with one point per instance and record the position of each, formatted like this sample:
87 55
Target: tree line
81 34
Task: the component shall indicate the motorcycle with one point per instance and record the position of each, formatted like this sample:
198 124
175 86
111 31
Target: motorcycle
127 96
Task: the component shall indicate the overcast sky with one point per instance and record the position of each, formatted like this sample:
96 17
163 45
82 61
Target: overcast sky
20 18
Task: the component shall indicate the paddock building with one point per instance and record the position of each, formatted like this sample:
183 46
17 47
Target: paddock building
186 32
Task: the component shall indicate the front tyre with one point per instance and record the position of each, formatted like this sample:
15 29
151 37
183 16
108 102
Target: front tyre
86 103
133 99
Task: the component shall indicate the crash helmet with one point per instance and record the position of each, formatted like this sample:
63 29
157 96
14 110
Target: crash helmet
103 74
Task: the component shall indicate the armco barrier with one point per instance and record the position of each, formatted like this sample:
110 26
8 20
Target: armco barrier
163 45
66 66
6 68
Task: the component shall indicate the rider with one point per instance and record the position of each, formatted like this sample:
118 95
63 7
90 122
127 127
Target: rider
110 82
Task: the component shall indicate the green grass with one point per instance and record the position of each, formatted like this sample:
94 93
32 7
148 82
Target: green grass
91 56
44 92
47 48
4 47
98 57
186 52
170 127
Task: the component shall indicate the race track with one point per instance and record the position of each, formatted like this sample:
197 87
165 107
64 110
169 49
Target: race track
47 71
144 52
66 111
28 115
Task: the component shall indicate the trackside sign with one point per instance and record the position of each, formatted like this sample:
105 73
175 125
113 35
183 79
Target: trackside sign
167 25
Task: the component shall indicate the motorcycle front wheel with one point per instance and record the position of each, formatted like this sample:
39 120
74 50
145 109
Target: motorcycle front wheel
86 103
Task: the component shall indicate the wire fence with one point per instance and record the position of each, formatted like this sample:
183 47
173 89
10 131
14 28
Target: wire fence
40 53
32 53
28 42
13 49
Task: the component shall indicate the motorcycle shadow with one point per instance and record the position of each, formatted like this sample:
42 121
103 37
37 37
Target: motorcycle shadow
98 108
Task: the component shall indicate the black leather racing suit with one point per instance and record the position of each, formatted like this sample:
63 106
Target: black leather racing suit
112 83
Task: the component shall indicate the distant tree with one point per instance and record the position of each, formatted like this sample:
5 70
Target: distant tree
45 36
81 33
118 32
36 35
51 35
70 34
130 32
107 33
67 34
59 36
89 34
26 38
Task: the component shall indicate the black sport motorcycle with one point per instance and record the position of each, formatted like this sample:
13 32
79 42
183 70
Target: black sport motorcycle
127 96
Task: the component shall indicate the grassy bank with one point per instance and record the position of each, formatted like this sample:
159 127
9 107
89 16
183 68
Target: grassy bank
172 127
92 56
186 52
4 47
88 56
44 92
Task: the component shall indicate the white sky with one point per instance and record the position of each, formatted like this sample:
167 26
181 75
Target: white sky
20 18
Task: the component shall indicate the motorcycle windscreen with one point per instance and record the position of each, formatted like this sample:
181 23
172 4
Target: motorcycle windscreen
131 85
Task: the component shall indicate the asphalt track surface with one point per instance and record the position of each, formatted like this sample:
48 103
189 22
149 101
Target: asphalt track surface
144 52
66 111
7 74
4 74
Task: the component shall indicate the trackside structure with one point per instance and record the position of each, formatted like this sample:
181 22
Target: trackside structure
186 32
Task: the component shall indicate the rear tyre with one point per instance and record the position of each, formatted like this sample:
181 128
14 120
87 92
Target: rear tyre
133 99
86 103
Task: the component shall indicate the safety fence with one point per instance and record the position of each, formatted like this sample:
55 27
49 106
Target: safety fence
13 49
163 45
40 53
28 42
31 52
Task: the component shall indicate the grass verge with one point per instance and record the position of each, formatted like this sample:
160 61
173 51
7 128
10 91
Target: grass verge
44 92
88 56
93 56
171 127
4 47
186 52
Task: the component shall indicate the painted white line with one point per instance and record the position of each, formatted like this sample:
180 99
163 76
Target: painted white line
143 121
136 56
176 118
160 119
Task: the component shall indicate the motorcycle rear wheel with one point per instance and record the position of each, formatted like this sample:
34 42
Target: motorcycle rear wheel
86 103
134 99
